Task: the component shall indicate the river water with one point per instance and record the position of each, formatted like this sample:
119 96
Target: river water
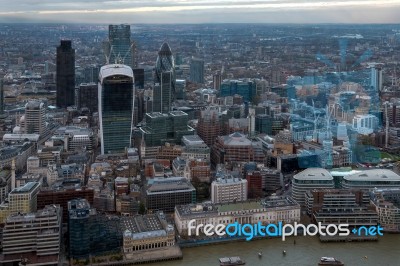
306 252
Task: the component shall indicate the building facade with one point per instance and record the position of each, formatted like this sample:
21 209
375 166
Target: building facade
116 91
65 79
228 189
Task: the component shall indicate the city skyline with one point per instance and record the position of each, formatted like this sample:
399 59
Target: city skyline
203 11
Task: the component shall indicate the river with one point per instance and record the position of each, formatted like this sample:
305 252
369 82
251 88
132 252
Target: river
306 252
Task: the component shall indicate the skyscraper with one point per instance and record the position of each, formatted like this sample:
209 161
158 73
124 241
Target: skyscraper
197 70
165 63
35 117
162 93
65 74
116 98
120 49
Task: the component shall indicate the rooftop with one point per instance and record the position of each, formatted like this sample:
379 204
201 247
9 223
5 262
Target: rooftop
115 69
373 175
28 187
314 174
163 185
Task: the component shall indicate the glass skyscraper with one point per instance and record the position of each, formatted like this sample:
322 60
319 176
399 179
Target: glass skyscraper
116 99
120 49
65 74
165 63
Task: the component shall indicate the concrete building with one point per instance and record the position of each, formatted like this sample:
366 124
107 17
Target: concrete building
20 200
208 127
266 211
197 70
365 124
165 194
312 178
370 179
387 204
228 189
33 236
35 112
77 138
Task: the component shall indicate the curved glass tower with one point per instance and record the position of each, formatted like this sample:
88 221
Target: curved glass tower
116 91
165 63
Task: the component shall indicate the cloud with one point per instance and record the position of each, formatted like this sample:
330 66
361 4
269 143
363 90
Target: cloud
180 11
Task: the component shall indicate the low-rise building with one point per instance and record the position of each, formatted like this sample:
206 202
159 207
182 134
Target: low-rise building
228 189
370 179
387 204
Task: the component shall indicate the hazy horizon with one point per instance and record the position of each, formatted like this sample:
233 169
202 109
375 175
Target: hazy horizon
202 11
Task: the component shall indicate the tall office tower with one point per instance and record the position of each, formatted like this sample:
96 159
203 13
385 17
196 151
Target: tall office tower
162 93
35 112
209 127
165 63
197 70
116 99
65 77
120 49
88 97
376 77
217 80
3 115
138 73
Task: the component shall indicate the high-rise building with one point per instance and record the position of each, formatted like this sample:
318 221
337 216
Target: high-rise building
165 63
228 189
22 199
35 236
162 93
217 80
35 117
208 127
138 74
120 49
245 87
116 99
3 116
376 77
65 76
88 97
197 70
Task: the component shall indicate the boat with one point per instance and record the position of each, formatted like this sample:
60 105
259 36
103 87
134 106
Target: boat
284 252
232 261
260 254
329 261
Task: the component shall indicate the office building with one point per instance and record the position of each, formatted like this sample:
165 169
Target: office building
165 63
209 127
119 48
180 89
268 125
365 124
197 70
227 189
387 204
35 112
161 128
22 199
91 233
88 97
76 138
370 179
217 80
138 74
116 91
311 178
244 87
163 93
267 211
65 77
33 236
164 194
3 115
236 147
195 148
376 77
61 195
149 232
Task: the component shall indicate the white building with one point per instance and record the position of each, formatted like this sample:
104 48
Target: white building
266 211
35 112
309 179
228 189
370 179
365 124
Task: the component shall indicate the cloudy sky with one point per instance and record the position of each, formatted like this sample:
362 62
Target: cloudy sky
201 11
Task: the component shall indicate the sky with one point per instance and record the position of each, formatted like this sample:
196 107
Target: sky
200 11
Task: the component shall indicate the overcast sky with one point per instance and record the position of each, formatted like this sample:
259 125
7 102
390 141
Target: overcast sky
201 11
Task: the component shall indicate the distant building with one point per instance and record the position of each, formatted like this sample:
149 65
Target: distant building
120 49
165 194
35 112
370 179
77 138
209 127
365 124
91 233
165 63
138 74
266 211
88 97
228 189
35 236
386 203
65 74
312 178
217 80
246 88
197 70
116 92
268 125
163 94
22 199
236 147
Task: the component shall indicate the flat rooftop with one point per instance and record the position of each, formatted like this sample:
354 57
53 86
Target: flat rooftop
313 174
373 175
